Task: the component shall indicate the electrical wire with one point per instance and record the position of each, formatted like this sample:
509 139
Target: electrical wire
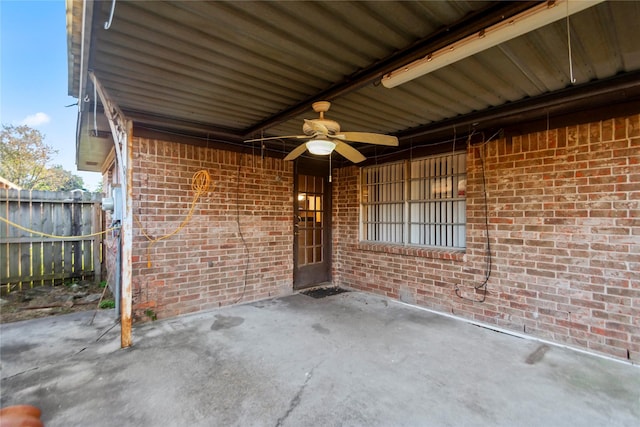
202 138
113 246
244 242
200 184
284 150
488 257
55 236
410 148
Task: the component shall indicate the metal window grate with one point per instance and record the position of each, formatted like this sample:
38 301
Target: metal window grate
431 213
437 201
383 203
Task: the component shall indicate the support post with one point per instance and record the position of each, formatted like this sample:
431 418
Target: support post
122 132
127 245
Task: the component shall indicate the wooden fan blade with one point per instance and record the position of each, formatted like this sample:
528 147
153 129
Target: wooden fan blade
368 138
296 152
349 152
278 137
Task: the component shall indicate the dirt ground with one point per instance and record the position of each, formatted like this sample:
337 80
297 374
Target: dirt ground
42 301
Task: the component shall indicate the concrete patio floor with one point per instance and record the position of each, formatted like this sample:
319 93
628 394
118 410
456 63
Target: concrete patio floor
351 359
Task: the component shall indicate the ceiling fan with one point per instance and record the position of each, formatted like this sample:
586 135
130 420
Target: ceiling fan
324 136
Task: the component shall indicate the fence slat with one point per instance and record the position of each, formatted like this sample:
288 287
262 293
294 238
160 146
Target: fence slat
76 230
87 252
36 245
97 244
67 246
15 250
49 246
4 232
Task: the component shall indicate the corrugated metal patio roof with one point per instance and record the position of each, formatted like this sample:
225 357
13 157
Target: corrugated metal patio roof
234 70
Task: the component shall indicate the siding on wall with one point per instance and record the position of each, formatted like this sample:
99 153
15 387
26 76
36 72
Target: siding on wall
211 262
564 227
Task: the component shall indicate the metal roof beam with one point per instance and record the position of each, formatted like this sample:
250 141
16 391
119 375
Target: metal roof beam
620 89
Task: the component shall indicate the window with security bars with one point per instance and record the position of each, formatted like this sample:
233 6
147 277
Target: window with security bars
383 209
421 202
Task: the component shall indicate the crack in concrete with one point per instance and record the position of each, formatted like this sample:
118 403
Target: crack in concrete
20 373
46 365
295 401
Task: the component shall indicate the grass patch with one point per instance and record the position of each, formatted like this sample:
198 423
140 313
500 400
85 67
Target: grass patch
107 303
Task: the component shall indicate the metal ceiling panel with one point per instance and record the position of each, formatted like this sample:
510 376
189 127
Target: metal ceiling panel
239 66
257 57
530 65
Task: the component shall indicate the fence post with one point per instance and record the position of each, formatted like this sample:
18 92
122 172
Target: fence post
97 241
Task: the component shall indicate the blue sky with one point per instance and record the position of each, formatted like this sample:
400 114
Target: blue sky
33 76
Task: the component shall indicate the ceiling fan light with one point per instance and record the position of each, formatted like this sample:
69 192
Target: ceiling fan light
321 147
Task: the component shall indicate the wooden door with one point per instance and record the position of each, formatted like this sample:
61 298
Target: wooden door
312 230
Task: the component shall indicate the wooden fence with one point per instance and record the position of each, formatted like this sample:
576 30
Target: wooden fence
31 259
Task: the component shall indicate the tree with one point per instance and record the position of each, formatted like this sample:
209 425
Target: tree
24 156
59 179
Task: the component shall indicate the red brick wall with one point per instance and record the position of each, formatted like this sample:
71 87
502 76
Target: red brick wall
207 264
564 226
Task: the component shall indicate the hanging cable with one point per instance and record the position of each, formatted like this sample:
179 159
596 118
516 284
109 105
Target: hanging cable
488 257
54 236
455 135
200 184
573 80
244 242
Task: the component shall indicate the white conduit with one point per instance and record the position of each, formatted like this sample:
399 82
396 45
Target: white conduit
107 24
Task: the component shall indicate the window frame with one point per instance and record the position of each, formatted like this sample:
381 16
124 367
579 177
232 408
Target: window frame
455 205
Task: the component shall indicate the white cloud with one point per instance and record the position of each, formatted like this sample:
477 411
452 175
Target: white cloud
36 119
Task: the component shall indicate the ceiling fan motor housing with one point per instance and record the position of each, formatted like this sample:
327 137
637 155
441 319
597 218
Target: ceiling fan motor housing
324 136
311 127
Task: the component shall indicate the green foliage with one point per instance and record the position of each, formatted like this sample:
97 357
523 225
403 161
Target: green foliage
103 284
151 314
24 159
24 156
58 179
107 303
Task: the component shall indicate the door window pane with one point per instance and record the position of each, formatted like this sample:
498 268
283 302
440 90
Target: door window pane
310 219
